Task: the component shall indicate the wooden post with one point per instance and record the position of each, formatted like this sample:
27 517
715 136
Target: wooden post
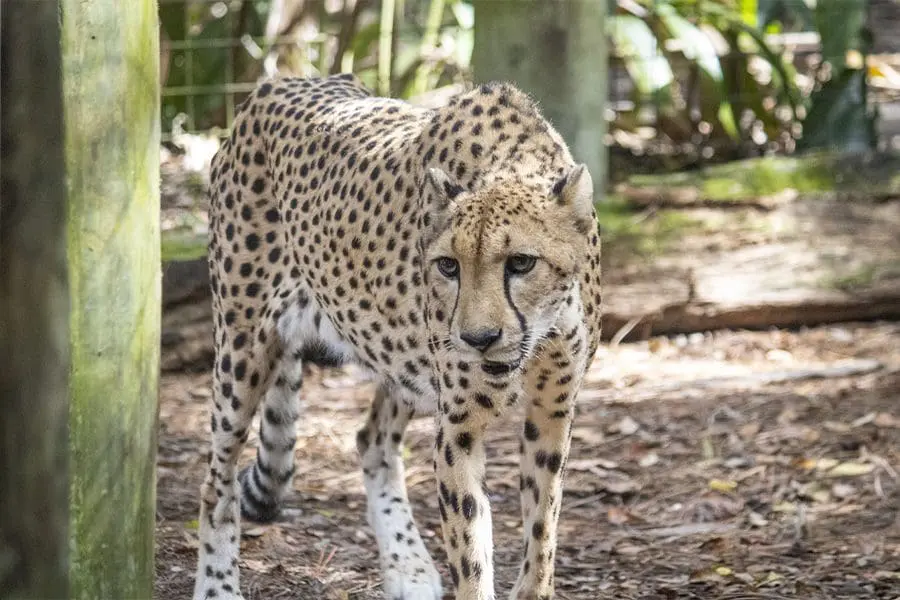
111 89
34 306
557 52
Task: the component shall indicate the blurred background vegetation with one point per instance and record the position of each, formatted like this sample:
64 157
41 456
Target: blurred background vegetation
691 81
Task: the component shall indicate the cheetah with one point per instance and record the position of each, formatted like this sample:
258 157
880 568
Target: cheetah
453 253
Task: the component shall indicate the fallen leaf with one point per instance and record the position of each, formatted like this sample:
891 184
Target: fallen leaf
255 565
589 435
807 464
628 549
617 516
815 492
714 506
649 459
716 544
738 462
785 507
201 393
620 485
745 577
836 427
771 579
720 485
749 431
787 416
756 520
842 491
865 419
627 426
705 575
707 449
823 464
253 532
887 420
850 469
779 356
190 540
723 571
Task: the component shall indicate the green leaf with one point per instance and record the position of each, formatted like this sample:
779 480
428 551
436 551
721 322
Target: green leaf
695 45
749 11
786 73
840 23
648 68
838 116
786 15
698 48
464 14
364 38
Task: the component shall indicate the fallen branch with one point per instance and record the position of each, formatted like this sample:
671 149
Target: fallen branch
850 368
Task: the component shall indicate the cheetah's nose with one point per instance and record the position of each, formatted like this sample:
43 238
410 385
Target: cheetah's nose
480 339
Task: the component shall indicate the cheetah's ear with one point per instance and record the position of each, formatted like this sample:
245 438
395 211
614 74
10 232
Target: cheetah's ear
443 190
575 189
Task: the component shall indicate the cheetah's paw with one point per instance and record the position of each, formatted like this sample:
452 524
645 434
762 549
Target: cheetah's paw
413 581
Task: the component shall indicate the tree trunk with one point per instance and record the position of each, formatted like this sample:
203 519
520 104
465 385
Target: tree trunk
556 51
111 80
34 305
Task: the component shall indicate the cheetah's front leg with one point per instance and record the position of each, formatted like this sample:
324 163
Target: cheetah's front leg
409 573
464 505
551 387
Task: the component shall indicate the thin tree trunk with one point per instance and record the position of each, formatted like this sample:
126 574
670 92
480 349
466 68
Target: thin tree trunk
556 51
34 303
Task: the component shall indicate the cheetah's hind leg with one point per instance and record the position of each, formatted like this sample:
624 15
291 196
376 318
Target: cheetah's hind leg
236 397
266 482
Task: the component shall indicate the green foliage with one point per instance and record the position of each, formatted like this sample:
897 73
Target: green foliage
784 16
210 65
839 116
703 66
723 44
719 97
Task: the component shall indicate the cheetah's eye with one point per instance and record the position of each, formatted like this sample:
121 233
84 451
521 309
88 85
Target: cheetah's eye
449 267
519 264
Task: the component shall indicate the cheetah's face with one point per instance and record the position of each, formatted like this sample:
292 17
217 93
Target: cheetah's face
501 263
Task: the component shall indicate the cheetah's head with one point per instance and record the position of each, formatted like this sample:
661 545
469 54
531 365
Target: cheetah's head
501 263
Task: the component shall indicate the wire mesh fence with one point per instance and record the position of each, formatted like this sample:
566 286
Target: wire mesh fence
210 59
214 51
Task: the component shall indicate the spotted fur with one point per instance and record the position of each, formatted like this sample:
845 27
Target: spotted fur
451 252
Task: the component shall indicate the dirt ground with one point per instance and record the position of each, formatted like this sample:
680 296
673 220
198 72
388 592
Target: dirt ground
730 465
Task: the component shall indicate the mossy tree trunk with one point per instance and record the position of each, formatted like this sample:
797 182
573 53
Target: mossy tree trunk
34 352
556 51
111 88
